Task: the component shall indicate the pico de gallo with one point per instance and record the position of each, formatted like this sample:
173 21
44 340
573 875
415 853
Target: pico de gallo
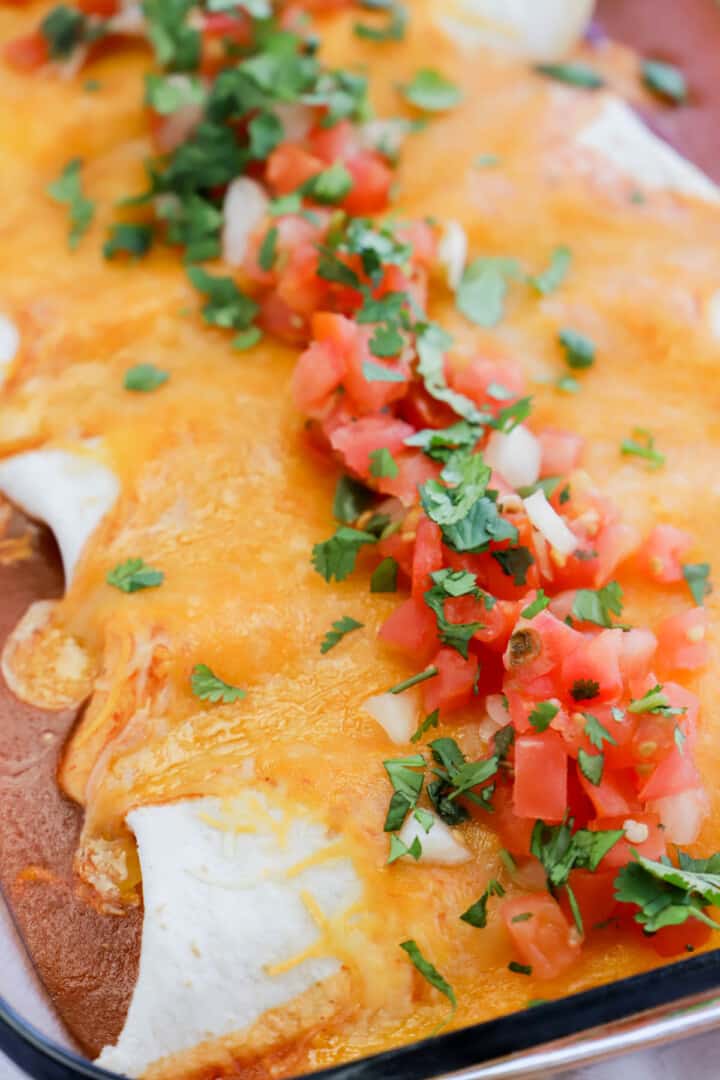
506 558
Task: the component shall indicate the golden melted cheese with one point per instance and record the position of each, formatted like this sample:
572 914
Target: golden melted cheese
221 493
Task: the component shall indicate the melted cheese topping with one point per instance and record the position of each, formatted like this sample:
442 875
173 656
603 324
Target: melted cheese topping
218 491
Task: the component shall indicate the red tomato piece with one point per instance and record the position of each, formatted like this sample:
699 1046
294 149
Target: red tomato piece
414 469
663 551
452 688
317 375
591 674
400 548
514 833
621 852
612 797
333 144
27 53
595 896
540 777
540 647
637 649
423 411
372 179
412 629
289 166
681 640
561 451
356 441
428 556
674 940
545 942
615 543
473 381
674 774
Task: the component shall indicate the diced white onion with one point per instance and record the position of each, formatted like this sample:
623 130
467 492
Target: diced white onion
296 120
497 710
681 815
452 253
439 844
713 314
243 210
636 832
515 455
395 713
549 524
538 29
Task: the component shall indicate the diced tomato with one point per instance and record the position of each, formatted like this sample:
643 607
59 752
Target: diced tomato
674 774
663 551
621 852
414 469
279 320
473 381
513 832
317 375
637 649
332 144
428 555
595 896
104 8
356 441
538 646
423 411
452 688
372 179
561 451
545 942
615 543
612 797
289 166
674 940
371 394
591 674
681 640
498 623
27 53
412 629
400 548
540 777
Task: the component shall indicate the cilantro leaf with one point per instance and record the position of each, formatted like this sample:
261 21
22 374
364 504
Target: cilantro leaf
373 372
441 443
226 305
431 720
666 80
208 687
543 715
560 850
655 701
515 563
399 849
591 766
432 344
177 46
129 238
552 278
340 629
165 94
596 732
449 505
430 973
579 349
407 784
351 500
407 684
668 895
133 575
68 189
574 73
329 186
63 28
539 604
476 914
336 557
482 290
394 26
431 91
144 377
642 445
267 255
598 605
383 464
697 577
384 576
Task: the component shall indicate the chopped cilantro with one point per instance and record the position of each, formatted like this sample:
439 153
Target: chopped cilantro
560 850
329 186
432 345
476 914
129 238
574 73
144 377
579 350
483 288
539 604
430 721
552 278
449 584
133 575
387 341
591 766
226 305
441 443
431 91
373 372
642 445
430 973
596 732
336 557
68 189
383 464
246 339
266 132
486 161
267 256
519 969
407 684
351 500
165 94
384 577
567 384
666 80
584 689
515 563
63 29
668 895
697 577
399 849
655 701
543 715
598 605
407 785
340 629
395 24
208 687
177 46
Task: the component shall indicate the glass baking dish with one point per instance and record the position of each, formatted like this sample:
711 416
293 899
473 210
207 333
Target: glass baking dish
656 1007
